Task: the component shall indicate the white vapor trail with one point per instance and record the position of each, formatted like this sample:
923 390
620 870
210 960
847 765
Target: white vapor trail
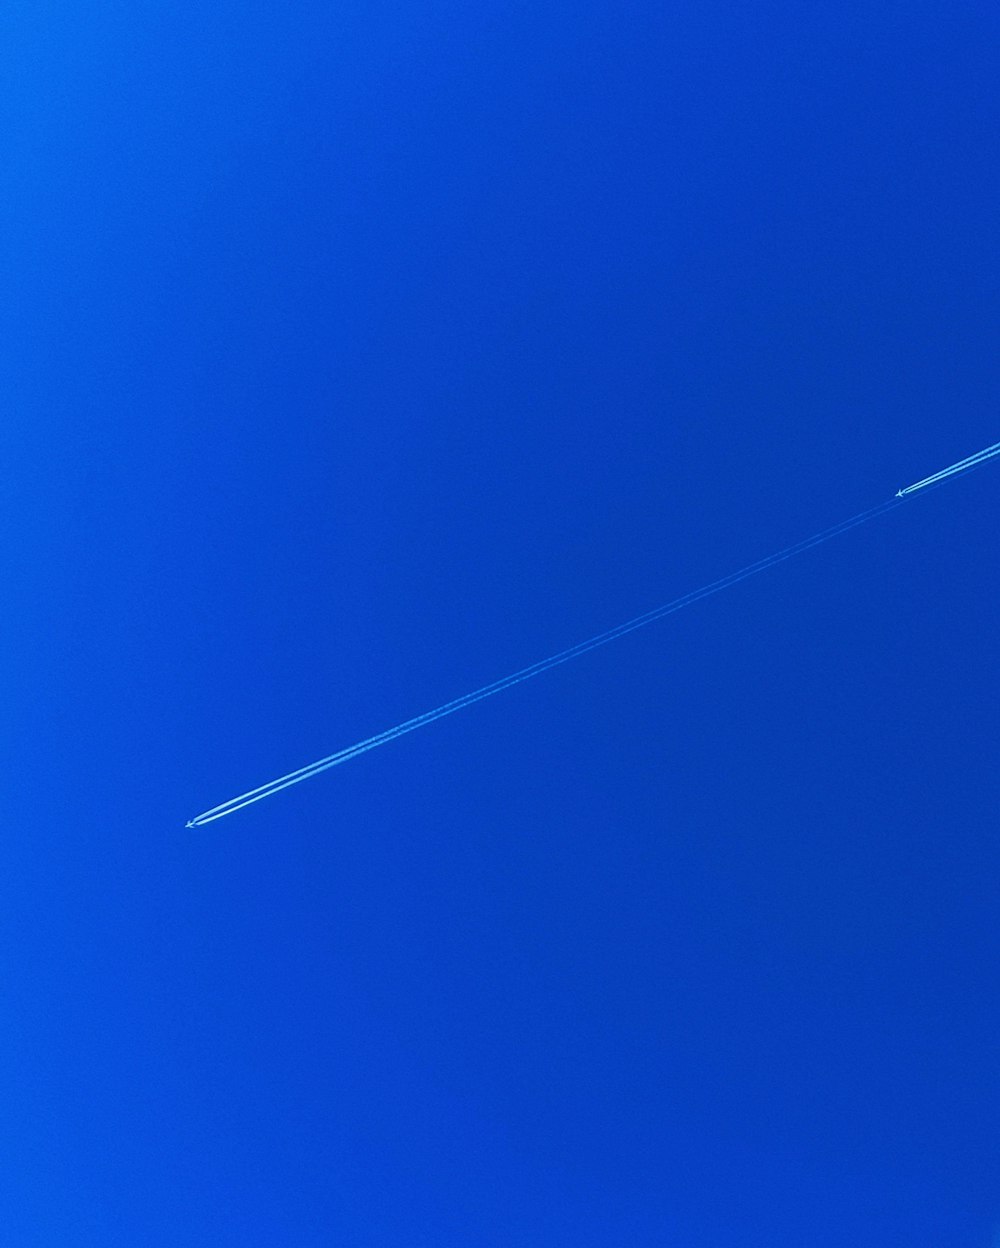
963 465
592 643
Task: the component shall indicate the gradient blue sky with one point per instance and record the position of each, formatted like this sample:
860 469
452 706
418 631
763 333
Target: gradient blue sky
355 355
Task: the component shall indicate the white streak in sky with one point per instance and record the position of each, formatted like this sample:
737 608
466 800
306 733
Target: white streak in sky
592 643
963 465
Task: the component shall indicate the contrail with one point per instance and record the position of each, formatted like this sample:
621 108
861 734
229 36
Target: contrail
573 652
963 465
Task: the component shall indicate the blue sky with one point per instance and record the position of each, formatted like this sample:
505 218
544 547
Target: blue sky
357 355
